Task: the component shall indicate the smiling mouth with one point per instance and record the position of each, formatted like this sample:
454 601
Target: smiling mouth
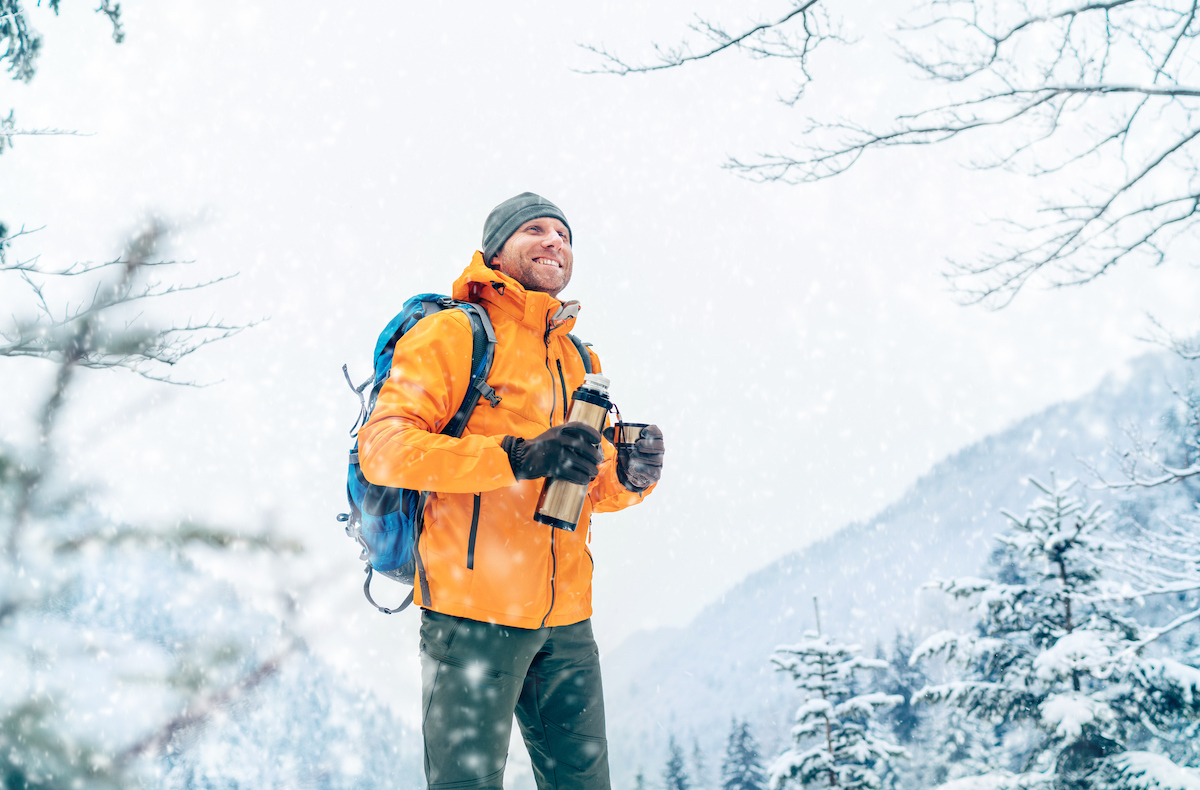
548 262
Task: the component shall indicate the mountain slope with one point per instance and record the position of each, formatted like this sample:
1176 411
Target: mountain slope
866 577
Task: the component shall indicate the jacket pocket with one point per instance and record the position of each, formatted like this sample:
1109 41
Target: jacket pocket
474 531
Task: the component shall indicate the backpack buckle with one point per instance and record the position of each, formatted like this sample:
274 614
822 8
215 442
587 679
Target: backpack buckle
487 391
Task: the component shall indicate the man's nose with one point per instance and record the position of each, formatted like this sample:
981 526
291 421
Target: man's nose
552 240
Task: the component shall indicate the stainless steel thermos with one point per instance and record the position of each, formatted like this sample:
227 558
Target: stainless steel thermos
561 502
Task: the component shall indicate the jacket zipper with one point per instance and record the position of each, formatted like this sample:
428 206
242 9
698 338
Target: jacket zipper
553 391
471 540
562 381
553 403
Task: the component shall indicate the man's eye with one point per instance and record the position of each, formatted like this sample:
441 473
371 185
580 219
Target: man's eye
564 236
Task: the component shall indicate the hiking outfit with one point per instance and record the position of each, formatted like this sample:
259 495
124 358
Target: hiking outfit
506 624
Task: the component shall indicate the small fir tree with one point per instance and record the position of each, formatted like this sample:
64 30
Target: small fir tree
639 779
1057 663
838 740
742 768
675 774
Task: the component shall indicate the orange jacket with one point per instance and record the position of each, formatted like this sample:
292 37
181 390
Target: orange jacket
494 563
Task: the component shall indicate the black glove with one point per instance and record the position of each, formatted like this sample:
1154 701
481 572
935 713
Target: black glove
640 465
568 452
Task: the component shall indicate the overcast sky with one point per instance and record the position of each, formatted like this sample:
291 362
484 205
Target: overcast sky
796 344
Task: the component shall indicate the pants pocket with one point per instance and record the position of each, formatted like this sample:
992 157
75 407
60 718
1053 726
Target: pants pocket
467 722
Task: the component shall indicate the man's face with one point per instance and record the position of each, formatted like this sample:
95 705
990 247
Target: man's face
538 256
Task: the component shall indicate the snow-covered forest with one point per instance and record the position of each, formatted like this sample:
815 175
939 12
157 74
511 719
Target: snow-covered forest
912 293
1050 642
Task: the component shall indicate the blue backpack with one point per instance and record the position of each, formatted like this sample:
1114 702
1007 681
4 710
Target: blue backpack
386 522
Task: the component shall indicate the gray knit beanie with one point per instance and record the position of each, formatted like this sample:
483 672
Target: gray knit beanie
512 214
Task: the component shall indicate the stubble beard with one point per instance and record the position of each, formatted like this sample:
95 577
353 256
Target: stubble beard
534 276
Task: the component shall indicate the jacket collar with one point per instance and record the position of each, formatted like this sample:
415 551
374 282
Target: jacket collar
539 311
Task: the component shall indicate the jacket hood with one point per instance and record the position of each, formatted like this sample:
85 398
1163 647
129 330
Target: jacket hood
480 283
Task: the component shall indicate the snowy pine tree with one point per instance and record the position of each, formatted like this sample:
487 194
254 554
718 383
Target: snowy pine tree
675 774
742 768
700 779
1058 663
909 722
903 679
838 741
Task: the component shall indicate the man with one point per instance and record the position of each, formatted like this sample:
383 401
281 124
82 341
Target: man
506 627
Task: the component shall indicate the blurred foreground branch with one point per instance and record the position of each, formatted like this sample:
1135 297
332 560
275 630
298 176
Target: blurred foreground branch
90 334
202 710
22 44
97 333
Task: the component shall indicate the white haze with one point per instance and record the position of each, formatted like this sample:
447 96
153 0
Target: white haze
796 344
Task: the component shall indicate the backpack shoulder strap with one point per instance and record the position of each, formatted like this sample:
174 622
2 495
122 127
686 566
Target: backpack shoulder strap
483 351
583 353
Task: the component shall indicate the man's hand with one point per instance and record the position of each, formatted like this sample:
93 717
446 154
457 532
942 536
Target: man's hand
568 452
641 466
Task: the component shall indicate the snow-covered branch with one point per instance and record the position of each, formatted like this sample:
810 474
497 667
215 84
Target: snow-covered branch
1057 654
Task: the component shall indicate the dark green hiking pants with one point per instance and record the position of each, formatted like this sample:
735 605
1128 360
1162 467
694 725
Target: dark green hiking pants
475 675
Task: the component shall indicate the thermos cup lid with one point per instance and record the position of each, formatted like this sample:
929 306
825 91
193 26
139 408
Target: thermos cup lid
594 381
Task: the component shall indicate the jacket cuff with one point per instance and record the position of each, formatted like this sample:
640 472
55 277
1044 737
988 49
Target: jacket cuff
515 447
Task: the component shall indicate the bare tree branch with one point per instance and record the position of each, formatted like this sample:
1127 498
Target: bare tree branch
9 132
1186 347
7 238
764 40
677 56
1095 100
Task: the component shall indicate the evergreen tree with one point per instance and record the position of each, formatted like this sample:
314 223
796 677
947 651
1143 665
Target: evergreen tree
742 768
903 679
909 721
1057 663
675 774
699 767
838 740
639 779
